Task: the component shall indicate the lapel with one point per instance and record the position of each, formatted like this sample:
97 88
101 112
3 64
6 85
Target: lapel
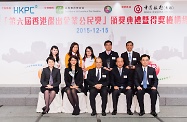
148 70
141 73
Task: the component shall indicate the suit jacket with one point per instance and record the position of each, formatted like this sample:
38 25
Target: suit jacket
151 76
46 76
92 79
135 59
123 80
78 77
112 56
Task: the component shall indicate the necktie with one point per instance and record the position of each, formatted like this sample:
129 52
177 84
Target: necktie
98 75
51 79
120 71
130 57
144 79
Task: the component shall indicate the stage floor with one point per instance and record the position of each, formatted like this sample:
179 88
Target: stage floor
28 114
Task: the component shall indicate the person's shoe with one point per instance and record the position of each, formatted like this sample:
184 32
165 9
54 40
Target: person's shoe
141 113
103 113
93 113
129 112
77 110
74 112
114 112
46 111
153 113
44 108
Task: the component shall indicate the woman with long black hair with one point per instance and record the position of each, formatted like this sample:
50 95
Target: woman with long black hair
73 77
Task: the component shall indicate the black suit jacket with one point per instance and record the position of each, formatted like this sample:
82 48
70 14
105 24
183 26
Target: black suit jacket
92 79
112 56
135 59
46 76
151 76
123 80
78 77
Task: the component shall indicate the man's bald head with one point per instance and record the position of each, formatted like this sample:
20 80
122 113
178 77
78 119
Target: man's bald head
119 62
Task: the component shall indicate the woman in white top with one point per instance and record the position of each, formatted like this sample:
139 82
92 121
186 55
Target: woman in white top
88 63
54 52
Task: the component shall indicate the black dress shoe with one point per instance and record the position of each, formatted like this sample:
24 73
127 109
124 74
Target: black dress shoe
129 112
153 113
103 113
141 113
114 112
93 113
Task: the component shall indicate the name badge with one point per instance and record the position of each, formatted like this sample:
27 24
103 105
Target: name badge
125 76
150 76
113 58
104 76
134 59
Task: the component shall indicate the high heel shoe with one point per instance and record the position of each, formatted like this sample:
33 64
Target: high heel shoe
46 111
44 108
77 110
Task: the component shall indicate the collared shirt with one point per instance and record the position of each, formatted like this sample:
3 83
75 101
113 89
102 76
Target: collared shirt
130 54
120 70
99 72
146 73
108 52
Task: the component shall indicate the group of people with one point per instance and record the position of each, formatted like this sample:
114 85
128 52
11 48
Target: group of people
106 74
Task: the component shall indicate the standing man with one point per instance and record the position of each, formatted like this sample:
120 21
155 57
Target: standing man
146 81
131 60
98 80
121 83
108 56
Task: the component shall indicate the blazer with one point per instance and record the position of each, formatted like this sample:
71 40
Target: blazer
78 77
46 76
151 76
112 56
123 80
135 59
92 79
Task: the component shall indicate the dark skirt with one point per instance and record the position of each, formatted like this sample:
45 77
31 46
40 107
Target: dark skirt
56 89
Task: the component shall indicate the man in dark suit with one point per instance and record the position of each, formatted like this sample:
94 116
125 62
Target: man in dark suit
98 80
121 83
131 60
146 81
108 56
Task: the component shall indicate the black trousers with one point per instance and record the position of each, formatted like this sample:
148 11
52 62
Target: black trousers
85 86
104 94
115 96
153 96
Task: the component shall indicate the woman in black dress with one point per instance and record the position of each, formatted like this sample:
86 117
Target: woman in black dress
73 77
50 80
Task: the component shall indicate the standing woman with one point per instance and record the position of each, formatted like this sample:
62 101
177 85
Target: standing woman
74 50
88 63
54 52
73 77
50 80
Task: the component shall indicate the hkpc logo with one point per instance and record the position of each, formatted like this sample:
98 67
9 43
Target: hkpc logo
25 9
155 66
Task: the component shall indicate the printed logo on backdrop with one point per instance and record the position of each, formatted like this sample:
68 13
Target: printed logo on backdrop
24 9
158 8
138 9
107 9
59 9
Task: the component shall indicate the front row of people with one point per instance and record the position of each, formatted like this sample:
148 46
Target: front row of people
98 80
